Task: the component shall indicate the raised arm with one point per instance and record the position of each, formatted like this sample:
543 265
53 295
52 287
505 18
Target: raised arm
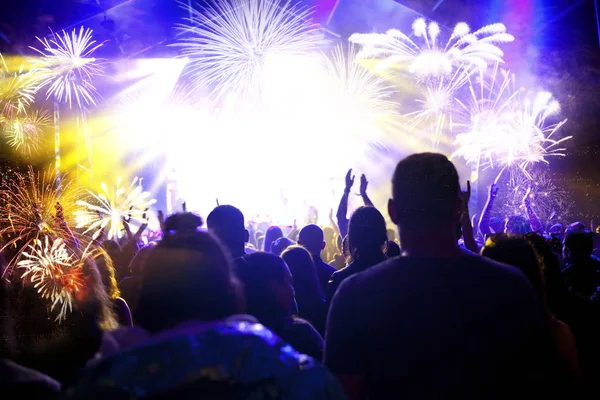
342 211
484 221
363 191
534 220
467 228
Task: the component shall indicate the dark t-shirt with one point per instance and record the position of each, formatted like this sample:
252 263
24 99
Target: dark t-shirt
425 328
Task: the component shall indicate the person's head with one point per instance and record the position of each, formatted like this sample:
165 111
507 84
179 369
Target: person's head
227 223
425 195
268 287
312 238
578 246
517 225
187 278
280 245
303 270
518 252
576 227
367 233
273 233
554 282
392 250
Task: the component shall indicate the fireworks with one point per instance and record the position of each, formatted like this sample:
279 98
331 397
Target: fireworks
110 207
550 201
30 207
433 58
228 43
67 68
54 271
507 127
362 100
25 132
16 91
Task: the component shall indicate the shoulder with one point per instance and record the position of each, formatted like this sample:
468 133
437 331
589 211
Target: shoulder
12 374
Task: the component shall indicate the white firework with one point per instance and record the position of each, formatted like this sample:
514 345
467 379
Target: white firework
109 208
433 57
17 91
229 42
361 100
551 201
25 132
54 271
507 127
67 68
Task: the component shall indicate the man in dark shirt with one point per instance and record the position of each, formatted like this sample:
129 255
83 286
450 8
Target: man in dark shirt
435 323
312 239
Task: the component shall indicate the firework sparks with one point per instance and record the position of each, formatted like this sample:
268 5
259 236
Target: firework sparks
109 208
507 127
229 42
17 91
362 100
433 58
54 271
30 207
67 67
551 202
25 132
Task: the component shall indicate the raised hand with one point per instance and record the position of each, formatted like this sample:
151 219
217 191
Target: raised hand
349 180
466 195
527 196
363 185
493 190
161 221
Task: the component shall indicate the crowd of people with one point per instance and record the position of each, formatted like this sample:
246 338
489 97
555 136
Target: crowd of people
218 308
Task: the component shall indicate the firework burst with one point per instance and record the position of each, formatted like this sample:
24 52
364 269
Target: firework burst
229 42
550 201
67 68
17 90
54 271
108 209
25 132
433 58
30 207
362 100
507 127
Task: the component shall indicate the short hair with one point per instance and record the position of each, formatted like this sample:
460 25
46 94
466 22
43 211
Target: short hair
227 223
425 188
580 244
311 237
367 232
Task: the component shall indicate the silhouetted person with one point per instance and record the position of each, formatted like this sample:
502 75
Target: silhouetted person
273 233
309 296
517 251
367 238
436 323
270 298
227 223
581 274
312 239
